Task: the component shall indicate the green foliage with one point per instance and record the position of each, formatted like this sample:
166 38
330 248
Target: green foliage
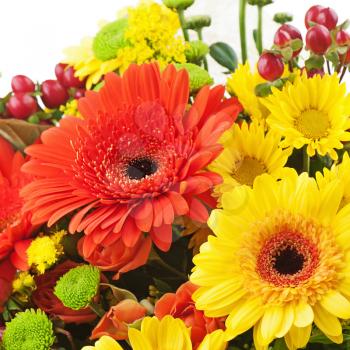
78 286
29 330
282 17
225 55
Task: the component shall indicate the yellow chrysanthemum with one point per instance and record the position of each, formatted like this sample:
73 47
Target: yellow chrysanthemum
339 171
71 109
313 112
279 263
248 152
166 334
23 285
242 84
150 34
44 251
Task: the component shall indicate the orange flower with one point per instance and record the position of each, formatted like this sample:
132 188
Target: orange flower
15 227
181 305
135 162
118 257
115 322
44 298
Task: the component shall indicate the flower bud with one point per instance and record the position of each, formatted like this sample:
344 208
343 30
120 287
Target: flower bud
284 36
282 17
342 38
318 39
196 51
198 22
178 4
260 2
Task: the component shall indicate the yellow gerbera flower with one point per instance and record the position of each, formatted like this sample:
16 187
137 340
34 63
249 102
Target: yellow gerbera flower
166 334
339 171
248 152
313 112
242 84
280 263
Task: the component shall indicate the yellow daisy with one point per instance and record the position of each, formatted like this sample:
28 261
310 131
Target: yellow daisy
280 263
313 112
242 84
339 171
166 334
248 152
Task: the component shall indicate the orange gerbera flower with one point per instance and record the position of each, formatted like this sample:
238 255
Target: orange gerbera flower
135 162
15 227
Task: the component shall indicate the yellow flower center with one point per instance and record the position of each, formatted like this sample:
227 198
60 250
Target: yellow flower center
286 257
313 124
247 170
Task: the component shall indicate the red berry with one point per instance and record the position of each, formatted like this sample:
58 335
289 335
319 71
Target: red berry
318 39
22 105
53 93
342 38
285 34
327 17
79 93
270 66
21 83
66 76
345 59
311 15
282 38
59 70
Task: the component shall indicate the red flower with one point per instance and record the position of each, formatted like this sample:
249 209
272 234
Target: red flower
135 162
44 298
181 305
118 257
15 226
115 322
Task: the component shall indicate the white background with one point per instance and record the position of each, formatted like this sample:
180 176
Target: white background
34 32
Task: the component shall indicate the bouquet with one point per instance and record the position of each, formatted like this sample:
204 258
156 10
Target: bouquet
144 207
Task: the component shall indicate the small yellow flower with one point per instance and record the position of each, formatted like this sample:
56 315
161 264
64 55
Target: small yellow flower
23 285
71 109
44 251
312 112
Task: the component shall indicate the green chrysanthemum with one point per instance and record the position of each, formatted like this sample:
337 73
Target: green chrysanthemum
110 39
196 51
178 4
29 330
78 286
198 76
198 22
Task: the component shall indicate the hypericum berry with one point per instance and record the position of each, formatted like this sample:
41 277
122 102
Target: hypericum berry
311 15
328 18
22 105
270 66
342 38
318 39
345 59
79 93
53 93
21 83
65 76
285 34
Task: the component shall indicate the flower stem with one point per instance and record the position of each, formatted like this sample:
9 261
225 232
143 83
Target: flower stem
97 309
183 24
342 74
68 335
306 160
259 40
200 37
242 29
328 68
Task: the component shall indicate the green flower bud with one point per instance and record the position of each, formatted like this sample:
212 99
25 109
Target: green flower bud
283 17
199 77
78 286
29 330
196 51
178 4
110 39
198 22
260 2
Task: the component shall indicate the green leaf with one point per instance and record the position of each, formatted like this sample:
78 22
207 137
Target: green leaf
333 57
314 62
20 133
287 53
296 44
224 54
344 25
279 344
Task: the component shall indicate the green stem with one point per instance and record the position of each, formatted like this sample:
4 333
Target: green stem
259 39
97 309
183 24
306 160
200 37
242 29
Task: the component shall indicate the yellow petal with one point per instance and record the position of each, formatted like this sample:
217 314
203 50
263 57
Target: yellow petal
173 334
288 318
326 322
304 315
299 337
107 342
336 304
138 341
271 323
213 341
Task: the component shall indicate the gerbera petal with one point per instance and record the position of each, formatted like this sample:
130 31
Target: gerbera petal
336 304
326 322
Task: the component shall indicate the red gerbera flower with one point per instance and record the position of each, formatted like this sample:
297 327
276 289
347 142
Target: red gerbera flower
15 226
135 162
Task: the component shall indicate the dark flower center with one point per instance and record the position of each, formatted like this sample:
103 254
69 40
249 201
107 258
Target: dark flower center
139 168
289 261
